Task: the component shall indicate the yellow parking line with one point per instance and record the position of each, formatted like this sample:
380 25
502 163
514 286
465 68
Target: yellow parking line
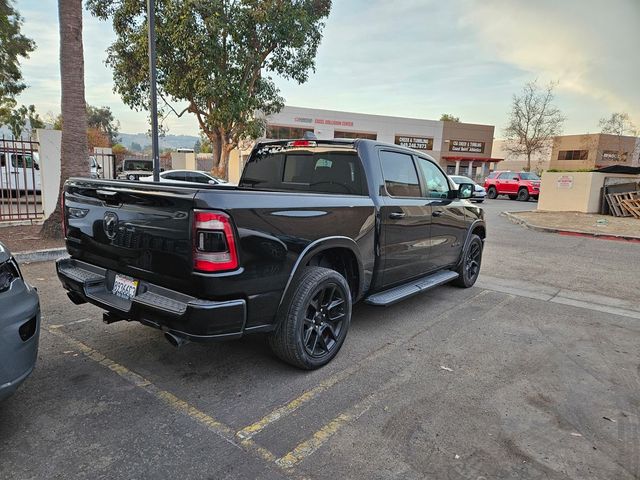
251 430
168 398
307 447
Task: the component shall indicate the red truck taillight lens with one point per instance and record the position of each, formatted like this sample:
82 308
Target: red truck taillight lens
214 246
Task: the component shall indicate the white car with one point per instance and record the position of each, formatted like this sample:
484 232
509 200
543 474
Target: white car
479 193
186 176
19 172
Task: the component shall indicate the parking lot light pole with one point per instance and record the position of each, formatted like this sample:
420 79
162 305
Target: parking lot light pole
153 90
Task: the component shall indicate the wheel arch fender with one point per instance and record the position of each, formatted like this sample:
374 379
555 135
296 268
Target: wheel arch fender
479 228
318 247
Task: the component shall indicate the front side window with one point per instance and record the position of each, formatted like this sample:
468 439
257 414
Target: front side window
436 183
400 176
529 176
507 176
21 161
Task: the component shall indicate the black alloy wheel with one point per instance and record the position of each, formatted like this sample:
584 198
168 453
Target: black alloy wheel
492 193
314 319
469 268
523 195
323 320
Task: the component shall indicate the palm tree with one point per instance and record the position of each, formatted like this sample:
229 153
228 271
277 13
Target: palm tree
75 150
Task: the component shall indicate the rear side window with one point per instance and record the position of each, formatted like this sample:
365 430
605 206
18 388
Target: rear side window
318 170
400 176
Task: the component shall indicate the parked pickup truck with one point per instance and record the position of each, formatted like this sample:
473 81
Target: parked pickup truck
312 227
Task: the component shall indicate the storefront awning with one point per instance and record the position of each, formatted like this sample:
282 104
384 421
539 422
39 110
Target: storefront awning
472 159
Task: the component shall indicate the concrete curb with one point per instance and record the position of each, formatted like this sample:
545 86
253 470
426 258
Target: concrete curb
611 236
40 255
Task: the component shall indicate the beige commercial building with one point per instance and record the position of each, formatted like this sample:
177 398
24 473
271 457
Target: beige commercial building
460 148
593 151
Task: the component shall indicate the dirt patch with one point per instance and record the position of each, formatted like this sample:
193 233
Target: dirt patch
26 238
586 223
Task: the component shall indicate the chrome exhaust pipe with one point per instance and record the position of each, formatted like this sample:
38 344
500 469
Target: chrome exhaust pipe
175 340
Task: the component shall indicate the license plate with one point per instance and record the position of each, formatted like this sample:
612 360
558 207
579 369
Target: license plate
125 287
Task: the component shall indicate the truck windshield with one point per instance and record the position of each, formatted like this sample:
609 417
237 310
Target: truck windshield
320 169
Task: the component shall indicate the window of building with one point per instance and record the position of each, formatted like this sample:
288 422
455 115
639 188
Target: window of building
343 134
436 183
400 176
573 154
613 156
279 132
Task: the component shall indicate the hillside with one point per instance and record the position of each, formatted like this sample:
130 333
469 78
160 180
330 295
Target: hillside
168 141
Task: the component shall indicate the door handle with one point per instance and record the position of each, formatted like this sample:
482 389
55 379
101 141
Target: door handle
396 215
437 213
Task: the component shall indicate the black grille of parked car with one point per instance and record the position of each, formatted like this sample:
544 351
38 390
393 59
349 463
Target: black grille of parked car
8 273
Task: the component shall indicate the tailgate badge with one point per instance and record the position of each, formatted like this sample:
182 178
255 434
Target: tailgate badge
110 224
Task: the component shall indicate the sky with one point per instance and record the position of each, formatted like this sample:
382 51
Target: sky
411 58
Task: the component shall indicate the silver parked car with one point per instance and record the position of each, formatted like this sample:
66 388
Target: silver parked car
479 193
19 325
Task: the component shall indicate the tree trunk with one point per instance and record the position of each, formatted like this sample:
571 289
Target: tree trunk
221 150
528 161
75 154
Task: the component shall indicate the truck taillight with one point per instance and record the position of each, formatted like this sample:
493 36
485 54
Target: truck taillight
214 246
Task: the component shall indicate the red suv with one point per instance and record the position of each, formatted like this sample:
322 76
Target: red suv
521 186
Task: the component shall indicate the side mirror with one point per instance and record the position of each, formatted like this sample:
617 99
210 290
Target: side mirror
98 167
212 182
465 190
161 170
517 179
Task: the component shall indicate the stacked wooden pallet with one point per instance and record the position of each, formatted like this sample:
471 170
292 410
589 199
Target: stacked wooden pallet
624 204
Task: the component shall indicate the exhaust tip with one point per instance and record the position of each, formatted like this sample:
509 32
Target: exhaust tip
175 340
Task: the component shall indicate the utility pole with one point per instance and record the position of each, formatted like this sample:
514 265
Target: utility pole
151 13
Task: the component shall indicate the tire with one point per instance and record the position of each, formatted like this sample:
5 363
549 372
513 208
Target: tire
492 193
478 201
469 267
513 197
310 332
523 195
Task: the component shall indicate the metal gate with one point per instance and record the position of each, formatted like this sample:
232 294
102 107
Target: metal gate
20 182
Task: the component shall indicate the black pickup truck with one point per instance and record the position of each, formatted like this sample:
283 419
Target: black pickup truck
312 227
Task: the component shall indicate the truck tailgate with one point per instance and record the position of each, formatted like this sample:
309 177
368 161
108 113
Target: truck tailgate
139 229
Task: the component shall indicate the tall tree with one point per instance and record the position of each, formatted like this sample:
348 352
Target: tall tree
101 118
533 121
75 153
14 46
620 125
20 117
216 57
447 117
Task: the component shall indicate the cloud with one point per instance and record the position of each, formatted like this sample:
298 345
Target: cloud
589 46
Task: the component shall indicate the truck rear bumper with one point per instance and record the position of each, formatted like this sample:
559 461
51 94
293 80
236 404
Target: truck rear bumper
170 311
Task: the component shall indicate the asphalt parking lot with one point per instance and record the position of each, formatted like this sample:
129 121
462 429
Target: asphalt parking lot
533 373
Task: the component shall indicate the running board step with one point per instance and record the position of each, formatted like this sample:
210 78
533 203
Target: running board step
393 295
